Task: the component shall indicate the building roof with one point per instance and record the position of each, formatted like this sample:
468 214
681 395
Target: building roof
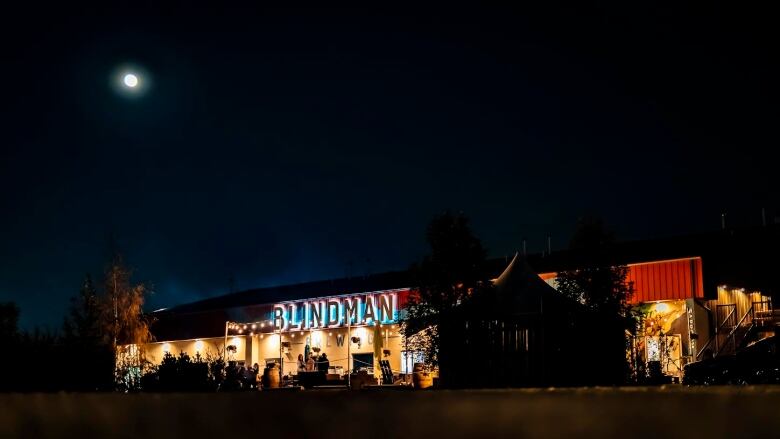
744 257
521 291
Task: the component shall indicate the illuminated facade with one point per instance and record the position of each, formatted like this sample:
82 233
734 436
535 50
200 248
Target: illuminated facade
696 304
354 330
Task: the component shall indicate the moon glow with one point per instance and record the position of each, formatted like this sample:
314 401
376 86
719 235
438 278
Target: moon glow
130 80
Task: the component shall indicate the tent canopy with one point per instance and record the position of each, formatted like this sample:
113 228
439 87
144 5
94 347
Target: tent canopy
519 290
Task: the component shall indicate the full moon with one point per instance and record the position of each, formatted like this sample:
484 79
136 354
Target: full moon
130 80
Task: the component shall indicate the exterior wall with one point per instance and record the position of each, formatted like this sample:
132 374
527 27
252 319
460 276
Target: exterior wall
676 279
736 296
704 323
267 346
667 280
205 347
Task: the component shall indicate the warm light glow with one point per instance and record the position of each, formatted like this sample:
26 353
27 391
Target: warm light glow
198 345
254 326
166 347
235 341
130 80
661 307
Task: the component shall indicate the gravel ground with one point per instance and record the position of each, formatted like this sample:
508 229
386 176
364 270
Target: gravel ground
716 412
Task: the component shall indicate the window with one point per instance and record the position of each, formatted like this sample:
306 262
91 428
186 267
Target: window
408 358
363 362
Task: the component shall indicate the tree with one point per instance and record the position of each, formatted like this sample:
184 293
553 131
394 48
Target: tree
447 277
83 323
598 283
87 355
9 321
125 322
602 286
9 338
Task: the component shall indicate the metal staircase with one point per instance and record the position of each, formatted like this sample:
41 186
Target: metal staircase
732 335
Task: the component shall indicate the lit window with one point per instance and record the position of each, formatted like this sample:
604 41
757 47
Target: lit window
409 358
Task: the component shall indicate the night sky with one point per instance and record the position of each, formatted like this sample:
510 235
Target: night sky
280 146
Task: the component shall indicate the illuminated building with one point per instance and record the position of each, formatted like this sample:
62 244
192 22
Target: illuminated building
701 297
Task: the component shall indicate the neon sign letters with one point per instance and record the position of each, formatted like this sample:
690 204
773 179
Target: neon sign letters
336 312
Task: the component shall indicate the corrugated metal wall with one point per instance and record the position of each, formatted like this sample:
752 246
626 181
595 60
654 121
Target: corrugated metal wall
676 279
666 280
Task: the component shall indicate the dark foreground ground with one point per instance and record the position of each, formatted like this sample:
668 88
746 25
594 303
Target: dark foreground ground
727 412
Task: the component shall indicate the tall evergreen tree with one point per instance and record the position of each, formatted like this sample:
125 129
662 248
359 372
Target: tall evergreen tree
83 324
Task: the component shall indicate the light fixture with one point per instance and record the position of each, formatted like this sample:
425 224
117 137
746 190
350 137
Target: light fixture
254 326
661 307
262 324
240 331
198 345
166 347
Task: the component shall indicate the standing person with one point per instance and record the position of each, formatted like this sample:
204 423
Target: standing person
324 364
310 364
301 363
253 373
241 375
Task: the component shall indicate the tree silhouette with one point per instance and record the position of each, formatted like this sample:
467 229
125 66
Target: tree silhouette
452 272
602 287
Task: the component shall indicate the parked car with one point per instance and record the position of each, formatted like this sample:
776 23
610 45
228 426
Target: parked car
758 363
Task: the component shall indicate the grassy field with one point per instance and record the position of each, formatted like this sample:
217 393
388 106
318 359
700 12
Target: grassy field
726 412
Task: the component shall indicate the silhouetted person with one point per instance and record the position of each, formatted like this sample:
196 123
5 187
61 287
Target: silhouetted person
301 363
232 377
310 364
324 364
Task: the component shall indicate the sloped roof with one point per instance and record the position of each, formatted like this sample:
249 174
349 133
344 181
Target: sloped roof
520 290
281 293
